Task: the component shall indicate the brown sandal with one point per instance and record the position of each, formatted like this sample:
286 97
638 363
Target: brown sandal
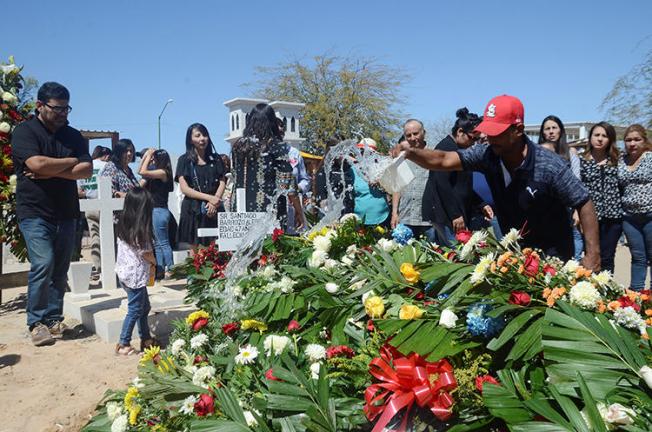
148 343
125 350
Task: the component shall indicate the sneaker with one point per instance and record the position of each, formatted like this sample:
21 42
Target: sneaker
58 329
41 335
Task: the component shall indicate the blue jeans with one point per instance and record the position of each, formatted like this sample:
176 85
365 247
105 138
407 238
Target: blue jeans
162 248
445 235
578 244
137 310
49 248
638 230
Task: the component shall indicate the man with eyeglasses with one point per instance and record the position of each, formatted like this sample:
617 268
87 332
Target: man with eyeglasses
531 187
49 156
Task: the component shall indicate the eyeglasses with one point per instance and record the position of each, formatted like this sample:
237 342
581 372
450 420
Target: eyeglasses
59 109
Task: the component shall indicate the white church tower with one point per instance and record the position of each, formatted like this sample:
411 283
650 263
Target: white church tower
289 112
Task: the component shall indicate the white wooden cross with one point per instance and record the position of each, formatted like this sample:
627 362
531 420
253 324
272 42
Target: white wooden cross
105 204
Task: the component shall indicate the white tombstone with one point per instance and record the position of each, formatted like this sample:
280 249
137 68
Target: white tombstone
105 204
79 276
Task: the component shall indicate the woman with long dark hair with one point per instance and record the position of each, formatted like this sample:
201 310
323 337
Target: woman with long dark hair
200 173
449 200
117 168
261 165
599 173
635 178
552 135
156 168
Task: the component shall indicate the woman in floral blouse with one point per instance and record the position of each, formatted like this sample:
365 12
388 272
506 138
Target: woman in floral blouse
117 169
635 178
599 172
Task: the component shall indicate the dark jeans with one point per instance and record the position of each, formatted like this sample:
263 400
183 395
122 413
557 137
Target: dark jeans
137 310
610 231
578 244
162 249
419 231
638 230
49 247
445 235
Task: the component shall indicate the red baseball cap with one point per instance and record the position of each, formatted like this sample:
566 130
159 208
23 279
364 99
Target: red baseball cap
501 112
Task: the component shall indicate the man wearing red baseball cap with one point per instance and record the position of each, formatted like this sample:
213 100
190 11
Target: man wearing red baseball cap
532 188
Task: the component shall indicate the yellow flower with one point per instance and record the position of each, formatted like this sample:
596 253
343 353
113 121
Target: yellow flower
380 230
324 231
133 414
190 319
409 273
253 324
374 306
132 393
152 354
312 235
410 312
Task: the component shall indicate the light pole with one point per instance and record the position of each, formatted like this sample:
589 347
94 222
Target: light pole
159 121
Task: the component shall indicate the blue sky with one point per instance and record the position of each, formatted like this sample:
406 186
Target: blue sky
122 59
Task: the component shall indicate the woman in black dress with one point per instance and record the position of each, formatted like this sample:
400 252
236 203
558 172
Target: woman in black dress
261 165
200 173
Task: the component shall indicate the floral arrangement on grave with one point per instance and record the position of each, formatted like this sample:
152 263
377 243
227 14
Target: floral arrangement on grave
352 328
15 107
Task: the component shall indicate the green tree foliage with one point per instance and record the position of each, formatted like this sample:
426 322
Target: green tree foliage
630 99
345 97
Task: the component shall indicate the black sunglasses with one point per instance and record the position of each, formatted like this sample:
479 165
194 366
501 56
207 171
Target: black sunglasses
59 109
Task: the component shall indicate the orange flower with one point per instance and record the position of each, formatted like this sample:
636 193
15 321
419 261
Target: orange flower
648 321
504 269
645 297
582 272
492 269
601 307
645 336
546 292
633 295
553 295
504 257
521 269
612 306
513 261
648 312
527 251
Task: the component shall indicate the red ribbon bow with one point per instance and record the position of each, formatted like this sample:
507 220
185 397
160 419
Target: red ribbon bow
412 379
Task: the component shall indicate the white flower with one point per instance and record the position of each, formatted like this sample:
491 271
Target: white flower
570 266
188 405
198 341
357 285
120 424
269 271
448 318
477 238
9 98
314 370
317 259
315 352
202 375
331 287
177 346
603 278
629 318
347 260
330 264
5 127
6 69
616 414
510 238
481 268
1 115
322 243
137 382
113 410
246 355
584 295
387 245
285 285
646 374
349 216
250 419
275 344
351 249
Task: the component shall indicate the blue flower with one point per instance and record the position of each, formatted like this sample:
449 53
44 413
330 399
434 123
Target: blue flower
479 324
402 234
441 297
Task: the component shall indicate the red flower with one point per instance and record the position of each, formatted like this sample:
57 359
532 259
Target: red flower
198 359
199 324
626 301
276 234
451 256
420 296
262 261
294 326
339 351
549 270
14 115
270 375
531 265
519 298
230 328
205 405
463 236
370 325
481 379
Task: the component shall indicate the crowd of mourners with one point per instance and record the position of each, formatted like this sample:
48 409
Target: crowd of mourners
568 201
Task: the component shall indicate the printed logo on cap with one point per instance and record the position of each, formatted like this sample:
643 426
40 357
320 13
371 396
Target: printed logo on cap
491 111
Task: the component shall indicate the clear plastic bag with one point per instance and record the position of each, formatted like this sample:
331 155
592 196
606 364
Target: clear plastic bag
396 175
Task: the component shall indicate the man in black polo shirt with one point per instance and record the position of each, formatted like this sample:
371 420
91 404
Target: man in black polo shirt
49 156
532 187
